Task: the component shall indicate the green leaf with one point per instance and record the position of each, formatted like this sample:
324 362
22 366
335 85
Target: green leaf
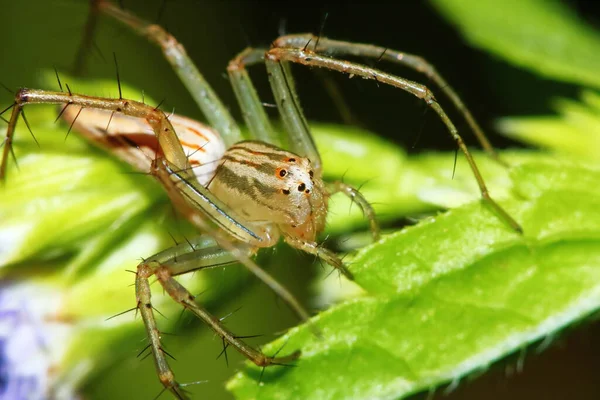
575 131
451 295
544 36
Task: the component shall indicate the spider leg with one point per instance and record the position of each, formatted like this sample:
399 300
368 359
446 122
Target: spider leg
253 111
87 40
143 295
277 57
155 118
208 101
324 254
342 48
355 196
296 126
200 253
8 149
291 113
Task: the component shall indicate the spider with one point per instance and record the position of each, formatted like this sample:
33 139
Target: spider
257 192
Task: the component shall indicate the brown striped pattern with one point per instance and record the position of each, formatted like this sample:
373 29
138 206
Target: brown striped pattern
133 140
268 185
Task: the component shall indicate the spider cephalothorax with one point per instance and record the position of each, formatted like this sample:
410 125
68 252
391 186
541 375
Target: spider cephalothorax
272 187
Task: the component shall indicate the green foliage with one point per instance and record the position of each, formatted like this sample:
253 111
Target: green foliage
544 36
451 295
575 131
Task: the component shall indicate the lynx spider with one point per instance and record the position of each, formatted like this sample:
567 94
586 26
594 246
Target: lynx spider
257 192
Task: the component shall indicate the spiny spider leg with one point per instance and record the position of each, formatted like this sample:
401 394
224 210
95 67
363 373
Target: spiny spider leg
333 47
355 196
213 109
179 260
184 297
295 123
276 59
253 111
8 139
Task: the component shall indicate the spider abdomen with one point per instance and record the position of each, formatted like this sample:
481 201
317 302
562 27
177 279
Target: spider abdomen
127 136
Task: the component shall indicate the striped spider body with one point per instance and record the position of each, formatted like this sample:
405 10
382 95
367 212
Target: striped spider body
272 188
276 191
133 141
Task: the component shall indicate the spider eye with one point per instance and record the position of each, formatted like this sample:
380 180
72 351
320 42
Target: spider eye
291 160
301 187
285 191
282 173
310 173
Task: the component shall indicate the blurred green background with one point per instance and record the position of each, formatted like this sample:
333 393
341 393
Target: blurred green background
38 35
42 34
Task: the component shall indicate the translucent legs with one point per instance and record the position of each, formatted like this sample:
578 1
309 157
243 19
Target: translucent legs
214 110
340 48
277 59
180 260
167 139
355 196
